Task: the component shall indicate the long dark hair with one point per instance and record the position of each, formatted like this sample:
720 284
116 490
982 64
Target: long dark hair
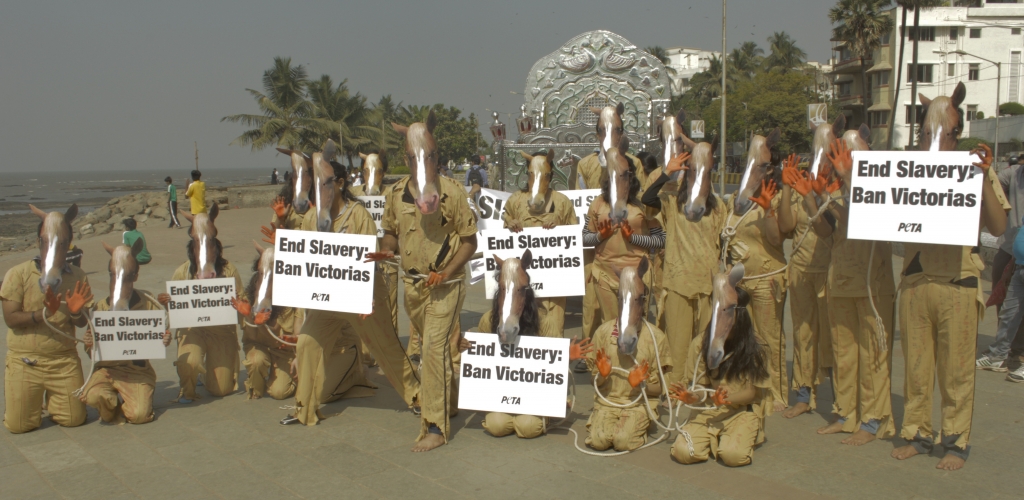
529 320
250 289
744 355
193 266
341 175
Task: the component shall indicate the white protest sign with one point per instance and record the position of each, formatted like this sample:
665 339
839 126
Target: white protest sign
581 200
128 335
202 302
374 205
323 271
476 270
557 266
915 197
491 205
526 378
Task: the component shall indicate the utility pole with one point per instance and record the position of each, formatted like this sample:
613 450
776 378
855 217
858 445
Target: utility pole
724 138
197 154
914 75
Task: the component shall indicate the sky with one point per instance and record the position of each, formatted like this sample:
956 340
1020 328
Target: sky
123 85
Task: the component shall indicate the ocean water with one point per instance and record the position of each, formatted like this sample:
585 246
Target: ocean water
91 189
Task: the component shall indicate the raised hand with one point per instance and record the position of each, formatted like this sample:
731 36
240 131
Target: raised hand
820 183
515 225
51 302
579 349
985 153
379 256
627 230
841 158
721 396
836 185
261 317
791 162
242 306
797 180
167 338
436 278
677 163
280 207
768 191
679 391
269 233
78 298
163 299
605 229
604 364
639 373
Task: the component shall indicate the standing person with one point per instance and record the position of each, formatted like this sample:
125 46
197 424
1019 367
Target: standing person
43 300
273 177
1010 318
130 236
476 178
196 194
427 219
172 203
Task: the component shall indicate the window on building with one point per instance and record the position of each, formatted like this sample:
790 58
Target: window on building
919 117
924 73
1014 31
878 119
951 69
845 89
972 113
973 71
686 83
954 33
970 3
885 38
975 32
1001 1
927 33
882 78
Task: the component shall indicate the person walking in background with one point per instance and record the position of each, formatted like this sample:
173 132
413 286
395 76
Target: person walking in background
196 194
131 235
273 177
172 203
476 176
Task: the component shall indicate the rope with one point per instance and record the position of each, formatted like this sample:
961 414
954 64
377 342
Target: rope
883 346
270 331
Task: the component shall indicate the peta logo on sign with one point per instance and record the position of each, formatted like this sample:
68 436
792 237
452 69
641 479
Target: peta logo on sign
909 227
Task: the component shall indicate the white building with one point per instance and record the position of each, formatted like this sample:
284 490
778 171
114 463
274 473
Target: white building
687 61
956 45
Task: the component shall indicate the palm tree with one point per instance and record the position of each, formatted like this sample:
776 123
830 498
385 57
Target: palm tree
659 53
338 115
747 59
861 27
286 115
376 127
708 83
784 55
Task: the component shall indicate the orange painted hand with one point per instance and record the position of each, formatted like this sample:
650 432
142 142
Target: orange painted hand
836 185
579 349
78 298
167 338
163 299
280 207
379 256
797 180
515 225
51 302
791 162
269 233
679 392
242 306
768 191
261 317
604 365
291 339
639 373
721 396
605 229
678 163
985 153
627 230
841 158
436 278
820 183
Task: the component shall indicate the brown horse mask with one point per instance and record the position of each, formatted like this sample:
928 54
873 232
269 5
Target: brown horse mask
302 178
124 271
374 167
824 136
698 180
326 185
539 183
54 241
512 299
759 158
857 140
205 248
421 156
609 129
619 180
264 280
632 295
942 124
724 302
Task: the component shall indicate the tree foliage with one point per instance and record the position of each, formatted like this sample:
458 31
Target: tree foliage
1011 108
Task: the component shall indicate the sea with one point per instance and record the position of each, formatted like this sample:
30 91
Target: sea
92 189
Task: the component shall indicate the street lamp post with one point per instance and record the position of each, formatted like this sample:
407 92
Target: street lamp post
724 138
999 81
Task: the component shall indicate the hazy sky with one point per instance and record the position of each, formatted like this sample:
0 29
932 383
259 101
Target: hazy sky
96 85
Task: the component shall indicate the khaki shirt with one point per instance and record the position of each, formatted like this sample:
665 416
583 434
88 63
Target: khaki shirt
594 174
750 244
815 253
428 242
229 271
847 276
616 253
138 302
21 284
758 406
352 218
560 213
692 249
616 386
291 221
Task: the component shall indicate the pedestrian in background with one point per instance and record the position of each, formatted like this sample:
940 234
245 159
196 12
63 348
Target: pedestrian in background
172 203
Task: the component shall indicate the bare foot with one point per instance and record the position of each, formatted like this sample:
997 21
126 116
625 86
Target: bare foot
833 428
907 451
797 409
778 406
858 438
950 462
428 443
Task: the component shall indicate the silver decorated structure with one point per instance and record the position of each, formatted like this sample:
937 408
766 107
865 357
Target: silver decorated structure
593 69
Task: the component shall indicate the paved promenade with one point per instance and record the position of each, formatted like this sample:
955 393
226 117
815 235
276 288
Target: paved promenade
233 448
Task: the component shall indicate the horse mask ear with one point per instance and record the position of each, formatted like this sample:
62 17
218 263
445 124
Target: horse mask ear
620 108
39 213
137 247
959 94
401 129
839 126
551 157
109 248
714 144
736 275
259 248
526 156
330 151
214 211
527 259
773 138
681 117
431 121
865 132
71 213
596 111
362 156
499 261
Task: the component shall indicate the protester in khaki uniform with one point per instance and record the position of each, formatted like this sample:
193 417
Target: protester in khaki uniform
39 360
539 206
593 174
267 361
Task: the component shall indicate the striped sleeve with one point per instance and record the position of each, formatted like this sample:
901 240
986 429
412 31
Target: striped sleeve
654 241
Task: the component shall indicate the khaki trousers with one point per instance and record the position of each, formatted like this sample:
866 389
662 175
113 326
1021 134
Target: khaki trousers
592 317
862 373
133 384
212 351
658 292
939 330
25 383
552 316
812 343
731 440
624 429
434 316
378 334
503 424
268 371
328 364
685 318
767 305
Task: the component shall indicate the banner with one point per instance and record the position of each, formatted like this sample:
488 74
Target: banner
375 205
915 197
581 199
128 335
530 377
324 271
202 302
816 115
476 270
557 266
696 129
491 206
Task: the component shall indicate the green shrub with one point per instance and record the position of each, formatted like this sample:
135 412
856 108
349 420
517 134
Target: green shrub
399 170
980 115
1011 108
969 143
